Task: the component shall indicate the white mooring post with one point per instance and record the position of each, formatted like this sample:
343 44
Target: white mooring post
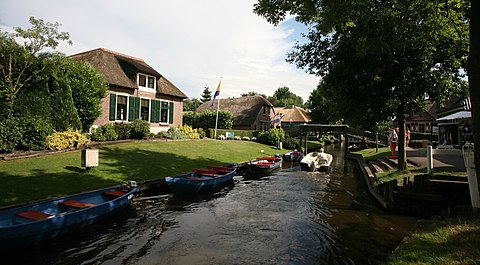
429 159
468 158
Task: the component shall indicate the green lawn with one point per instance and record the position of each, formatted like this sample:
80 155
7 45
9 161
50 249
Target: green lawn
60 174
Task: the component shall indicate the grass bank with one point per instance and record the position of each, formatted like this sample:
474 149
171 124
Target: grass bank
60 174
442 241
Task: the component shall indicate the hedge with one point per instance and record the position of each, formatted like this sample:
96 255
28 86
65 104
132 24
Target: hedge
241 133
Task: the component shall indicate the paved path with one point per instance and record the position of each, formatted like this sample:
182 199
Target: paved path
443 159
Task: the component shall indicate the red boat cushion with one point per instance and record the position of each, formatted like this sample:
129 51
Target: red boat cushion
33 215
76 204
114 193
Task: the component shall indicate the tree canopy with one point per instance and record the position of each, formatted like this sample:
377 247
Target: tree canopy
206 94
380 59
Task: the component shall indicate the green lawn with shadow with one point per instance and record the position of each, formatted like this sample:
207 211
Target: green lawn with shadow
60 174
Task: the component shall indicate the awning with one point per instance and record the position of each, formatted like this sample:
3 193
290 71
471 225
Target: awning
459 115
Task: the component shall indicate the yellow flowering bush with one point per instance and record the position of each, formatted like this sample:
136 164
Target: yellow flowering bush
189 132
67 139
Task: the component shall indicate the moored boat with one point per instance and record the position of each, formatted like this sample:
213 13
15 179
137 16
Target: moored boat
200 180
293 156
316 161
31 223
262 166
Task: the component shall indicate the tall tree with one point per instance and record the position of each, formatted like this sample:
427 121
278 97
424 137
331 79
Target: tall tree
474 79
285 98
15 61
206 95
322 108
191 104
380 57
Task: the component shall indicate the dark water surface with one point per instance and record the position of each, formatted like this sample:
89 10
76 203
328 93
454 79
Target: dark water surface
291 217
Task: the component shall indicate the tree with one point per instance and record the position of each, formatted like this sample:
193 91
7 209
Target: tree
473 69
380 57
16 60
322 108
88 89
191 104
206 95
252 93
285 98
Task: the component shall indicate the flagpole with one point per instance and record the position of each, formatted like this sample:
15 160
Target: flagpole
218 106
216 119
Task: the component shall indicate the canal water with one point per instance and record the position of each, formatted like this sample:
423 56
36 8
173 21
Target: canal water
291 217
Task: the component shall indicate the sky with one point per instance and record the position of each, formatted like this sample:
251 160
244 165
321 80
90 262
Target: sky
190 42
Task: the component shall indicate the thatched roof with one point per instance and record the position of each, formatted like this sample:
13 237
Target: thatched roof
121 70
244 109
293 114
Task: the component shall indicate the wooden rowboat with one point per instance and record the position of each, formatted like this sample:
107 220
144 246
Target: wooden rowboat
200 180
31 223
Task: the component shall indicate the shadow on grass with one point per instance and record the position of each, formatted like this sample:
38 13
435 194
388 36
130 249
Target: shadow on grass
141 164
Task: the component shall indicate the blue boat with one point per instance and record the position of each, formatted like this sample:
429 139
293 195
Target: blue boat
31 223
200 180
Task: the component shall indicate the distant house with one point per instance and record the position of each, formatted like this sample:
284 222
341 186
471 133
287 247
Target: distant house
136 91
249 113
455 123
291 116
422 122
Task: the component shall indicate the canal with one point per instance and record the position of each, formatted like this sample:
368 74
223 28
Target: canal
291 217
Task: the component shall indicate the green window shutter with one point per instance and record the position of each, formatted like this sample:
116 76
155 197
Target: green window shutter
155 111
170 112
113 103
133 108
137 108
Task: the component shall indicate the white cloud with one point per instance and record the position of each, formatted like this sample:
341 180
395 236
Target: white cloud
193 43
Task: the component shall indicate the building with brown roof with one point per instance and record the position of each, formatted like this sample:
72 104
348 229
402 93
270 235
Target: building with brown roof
249 112
136 91
291 117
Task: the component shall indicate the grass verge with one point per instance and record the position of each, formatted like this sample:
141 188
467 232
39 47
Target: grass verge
60 174
442 241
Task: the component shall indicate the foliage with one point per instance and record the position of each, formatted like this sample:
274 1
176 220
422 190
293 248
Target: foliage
123 130
139 129
189 132
252 93
388 52
173 133
271 137
103 133
35 131
206 95
16 60
88 88
191 104
291 143
206 119
67 139
285 98
10 135
201 133
322 107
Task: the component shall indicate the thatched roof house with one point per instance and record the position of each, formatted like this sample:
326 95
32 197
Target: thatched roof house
136 90
292 116
249 113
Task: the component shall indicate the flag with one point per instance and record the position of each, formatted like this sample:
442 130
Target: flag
277 118
216 93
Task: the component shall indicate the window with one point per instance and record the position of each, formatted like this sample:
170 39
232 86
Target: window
144 109
121 108
164 112
147 81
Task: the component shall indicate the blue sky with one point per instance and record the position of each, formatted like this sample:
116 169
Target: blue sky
192 43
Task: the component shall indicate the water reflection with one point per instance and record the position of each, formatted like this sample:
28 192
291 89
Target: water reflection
291 217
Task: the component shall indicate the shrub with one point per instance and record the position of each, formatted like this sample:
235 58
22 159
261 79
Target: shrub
291 143
67 139
189 132
173 133
122 130
139 129
103 133
10 135
201 133
271 137
34 133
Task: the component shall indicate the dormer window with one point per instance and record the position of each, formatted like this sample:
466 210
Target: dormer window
147 81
